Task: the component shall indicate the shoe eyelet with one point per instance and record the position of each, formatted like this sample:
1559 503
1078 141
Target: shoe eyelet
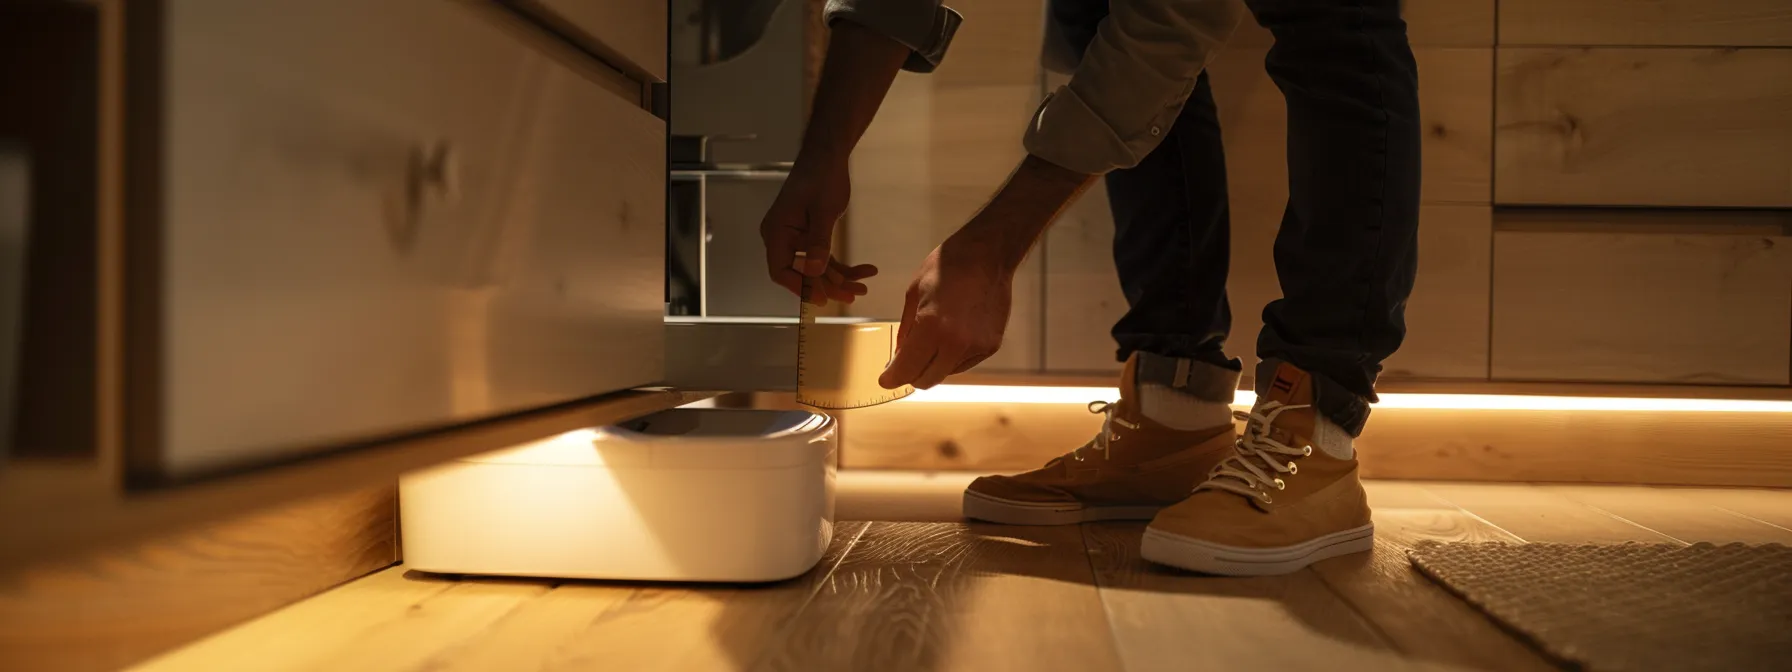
1267 499
1281 485
1306 451
1293 468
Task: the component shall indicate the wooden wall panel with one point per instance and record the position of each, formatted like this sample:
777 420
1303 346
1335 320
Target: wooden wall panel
1084 298
1730 23
1447 316
109 609
1662 127
939 148
1429 23
1456 112
1643 305
998 43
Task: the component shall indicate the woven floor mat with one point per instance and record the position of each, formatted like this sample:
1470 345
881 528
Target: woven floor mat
1630 606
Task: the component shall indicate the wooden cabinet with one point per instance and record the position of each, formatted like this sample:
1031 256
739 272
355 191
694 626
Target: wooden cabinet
1661 298
1658 127
1692 23
629 32
320 243
372 219
1447 319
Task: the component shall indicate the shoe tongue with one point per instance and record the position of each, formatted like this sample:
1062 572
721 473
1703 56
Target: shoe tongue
1129 378
1291 387
1288 385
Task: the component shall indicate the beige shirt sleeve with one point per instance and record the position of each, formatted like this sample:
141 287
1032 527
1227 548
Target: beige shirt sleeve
1131 83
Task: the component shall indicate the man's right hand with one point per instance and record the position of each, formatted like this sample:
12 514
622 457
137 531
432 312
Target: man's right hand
802 219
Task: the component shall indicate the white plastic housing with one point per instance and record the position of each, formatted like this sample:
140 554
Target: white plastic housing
690 494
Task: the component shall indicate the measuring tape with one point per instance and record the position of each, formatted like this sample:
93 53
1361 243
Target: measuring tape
837 369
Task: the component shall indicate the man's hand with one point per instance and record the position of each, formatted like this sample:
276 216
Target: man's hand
957 307
802 220
954 315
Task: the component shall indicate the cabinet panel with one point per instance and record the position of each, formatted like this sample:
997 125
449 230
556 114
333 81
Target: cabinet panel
1448 317
1429 23
380 218
933 157
1654 305
1676 127
633 29
1732 23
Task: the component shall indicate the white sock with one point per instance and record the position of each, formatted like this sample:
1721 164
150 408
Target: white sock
1329 437
1179 410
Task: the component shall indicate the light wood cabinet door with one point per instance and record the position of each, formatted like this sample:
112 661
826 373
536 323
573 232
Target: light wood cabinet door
1654 301
351 220
1656 127
634 30
1691 23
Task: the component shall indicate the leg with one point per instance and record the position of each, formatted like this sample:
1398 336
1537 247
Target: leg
1345 260
1172 241
1172 424
1171 231
1346 253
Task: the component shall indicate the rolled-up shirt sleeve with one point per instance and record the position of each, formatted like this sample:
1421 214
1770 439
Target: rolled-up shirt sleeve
1131 83
926 27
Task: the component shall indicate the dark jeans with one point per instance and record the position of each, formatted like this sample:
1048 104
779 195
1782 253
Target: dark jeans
1346 252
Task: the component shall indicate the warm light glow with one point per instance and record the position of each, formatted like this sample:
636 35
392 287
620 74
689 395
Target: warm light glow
1021 394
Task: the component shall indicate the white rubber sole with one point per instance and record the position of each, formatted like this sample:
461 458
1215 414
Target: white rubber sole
1195 555
1011 512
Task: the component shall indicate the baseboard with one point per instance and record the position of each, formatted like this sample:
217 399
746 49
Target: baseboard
1711 448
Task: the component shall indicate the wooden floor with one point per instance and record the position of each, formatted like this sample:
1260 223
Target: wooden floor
930 595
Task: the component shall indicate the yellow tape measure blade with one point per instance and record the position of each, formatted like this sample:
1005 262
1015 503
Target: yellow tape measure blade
837 365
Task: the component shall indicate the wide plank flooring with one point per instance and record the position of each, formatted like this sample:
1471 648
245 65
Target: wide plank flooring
921 590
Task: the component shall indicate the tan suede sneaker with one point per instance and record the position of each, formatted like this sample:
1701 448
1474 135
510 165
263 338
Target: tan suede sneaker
1133 468
1275 506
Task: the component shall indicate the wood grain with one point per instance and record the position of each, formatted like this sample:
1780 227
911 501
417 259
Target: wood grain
1592 127
1642 307
1728 23
1166 619
1083 292
404 620
1683 518
52 511
628 627
1455 111
1419 618
1537 515
865 494
1448 312
1439 386
1625 447
921 596
998 43
1618 447
932 158
1773 507
1429 23
117 607
962 436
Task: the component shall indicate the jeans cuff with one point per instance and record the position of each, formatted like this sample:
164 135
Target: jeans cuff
1199 379
1337 403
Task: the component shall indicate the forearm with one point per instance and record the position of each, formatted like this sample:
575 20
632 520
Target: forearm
1015 217
857 73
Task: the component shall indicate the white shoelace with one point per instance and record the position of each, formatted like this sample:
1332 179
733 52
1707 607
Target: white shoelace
1107 435
1256 465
